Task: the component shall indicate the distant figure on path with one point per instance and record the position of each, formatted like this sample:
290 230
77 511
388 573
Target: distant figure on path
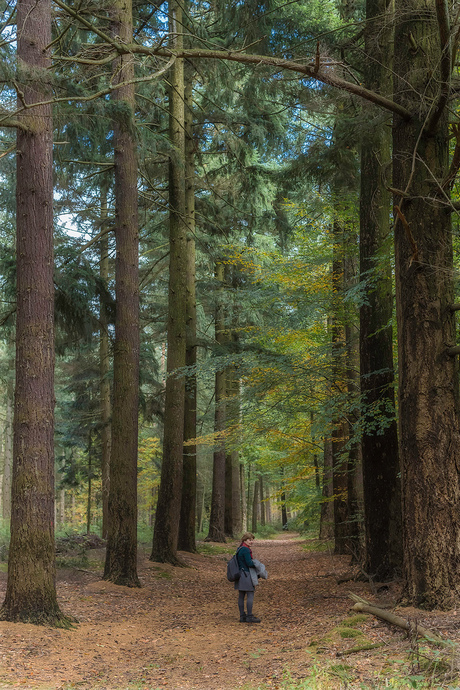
248 578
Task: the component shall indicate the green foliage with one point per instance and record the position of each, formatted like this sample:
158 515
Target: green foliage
267 531
213 549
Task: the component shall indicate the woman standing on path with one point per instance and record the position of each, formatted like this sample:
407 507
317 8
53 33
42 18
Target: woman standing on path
245 584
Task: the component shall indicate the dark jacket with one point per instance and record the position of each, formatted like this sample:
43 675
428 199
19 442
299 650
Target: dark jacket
244 558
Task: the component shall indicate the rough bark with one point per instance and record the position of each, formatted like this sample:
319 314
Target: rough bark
244 505
121 555
326 525
31 591
255 506
339 425
167 516
428 375
381 480
104 369
262 500
234 520
8 464
217 517
187 540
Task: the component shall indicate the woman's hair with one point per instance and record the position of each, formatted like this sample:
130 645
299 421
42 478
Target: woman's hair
247 535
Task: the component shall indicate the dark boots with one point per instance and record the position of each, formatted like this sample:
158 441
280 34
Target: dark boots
242 618
252 619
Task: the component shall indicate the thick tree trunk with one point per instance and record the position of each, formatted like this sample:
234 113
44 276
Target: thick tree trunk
381 480
428 384
167 515
326 525
217 518
31 590
121 556
188 506
234 518
339 425
104 369
8 456
354 489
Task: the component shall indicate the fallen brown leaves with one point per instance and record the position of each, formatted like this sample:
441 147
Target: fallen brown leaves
181 630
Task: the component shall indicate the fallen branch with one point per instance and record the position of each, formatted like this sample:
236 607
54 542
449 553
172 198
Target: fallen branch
364 607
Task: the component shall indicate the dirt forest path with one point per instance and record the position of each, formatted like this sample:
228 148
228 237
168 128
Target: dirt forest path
181 630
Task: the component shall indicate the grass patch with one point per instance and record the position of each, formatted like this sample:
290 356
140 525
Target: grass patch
342 676
353 621
213 550
349 632
318 545
267 532
80 561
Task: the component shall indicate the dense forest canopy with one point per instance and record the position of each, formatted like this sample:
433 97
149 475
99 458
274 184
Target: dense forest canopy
229 278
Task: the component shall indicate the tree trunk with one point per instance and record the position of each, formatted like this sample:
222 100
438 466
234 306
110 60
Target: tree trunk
428 375
217 518
228 510
262 501
339 425
62 507
31 591
104 364
121 555
255 506
167 515
244 504
90 483
232 482
8 466
381 481
354 489
326 525
188 507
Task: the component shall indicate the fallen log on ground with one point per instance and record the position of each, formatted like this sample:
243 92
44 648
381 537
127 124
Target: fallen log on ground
363 606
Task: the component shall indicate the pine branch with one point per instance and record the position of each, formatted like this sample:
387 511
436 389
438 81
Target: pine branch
312 70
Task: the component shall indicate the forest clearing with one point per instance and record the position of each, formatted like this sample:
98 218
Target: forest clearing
181 630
